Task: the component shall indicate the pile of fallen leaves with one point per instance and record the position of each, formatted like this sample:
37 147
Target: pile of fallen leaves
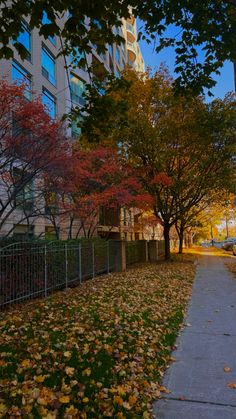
95 351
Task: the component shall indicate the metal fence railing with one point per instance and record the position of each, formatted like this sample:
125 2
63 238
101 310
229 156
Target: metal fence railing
135 252
35 269
30 269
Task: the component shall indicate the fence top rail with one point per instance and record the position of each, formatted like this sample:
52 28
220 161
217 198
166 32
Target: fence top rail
51 246
20 245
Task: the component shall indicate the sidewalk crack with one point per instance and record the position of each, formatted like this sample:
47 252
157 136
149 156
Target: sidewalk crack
199 401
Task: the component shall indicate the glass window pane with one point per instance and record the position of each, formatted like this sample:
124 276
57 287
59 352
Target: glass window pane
49 102
77 88
25 38
47 21
20 75
117 55
48 66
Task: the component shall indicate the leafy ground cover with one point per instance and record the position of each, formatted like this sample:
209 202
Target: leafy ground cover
231 266
95 351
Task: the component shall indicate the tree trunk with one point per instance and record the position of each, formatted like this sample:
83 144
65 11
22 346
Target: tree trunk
181 240
167 241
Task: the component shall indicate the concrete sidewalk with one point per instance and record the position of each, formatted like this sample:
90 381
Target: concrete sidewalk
197 380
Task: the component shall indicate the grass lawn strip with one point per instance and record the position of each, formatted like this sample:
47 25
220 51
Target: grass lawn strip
95 351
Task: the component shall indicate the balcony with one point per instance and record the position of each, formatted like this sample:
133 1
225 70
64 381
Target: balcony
130 32
132 64
131 49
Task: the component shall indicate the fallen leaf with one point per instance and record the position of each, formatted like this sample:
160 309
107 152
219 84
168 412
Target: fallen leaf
64 399
231 385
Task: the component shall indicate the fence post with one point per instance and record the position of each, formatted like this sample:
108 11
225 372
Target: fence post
144 249
108 257
66 264
120 263
45 271
80 264
93 260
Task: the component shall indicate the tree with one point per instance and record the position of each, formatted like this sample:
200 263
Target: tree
30 144
209 25
96 178
180 147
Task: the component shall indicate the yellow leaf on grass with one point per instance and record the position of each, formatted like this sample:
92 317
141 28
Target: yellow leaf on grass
39 378
85 400
67 354
118 400
71 411
3 409
42 401
69 371
25 363
132 399
64 399
87 372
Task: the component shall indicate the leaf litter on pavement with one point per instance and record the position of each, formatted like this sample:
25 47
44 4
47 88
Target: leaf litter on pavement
98 350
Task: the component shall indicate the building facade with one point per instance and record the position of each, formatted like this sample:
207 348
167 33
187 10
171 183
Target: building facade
45 75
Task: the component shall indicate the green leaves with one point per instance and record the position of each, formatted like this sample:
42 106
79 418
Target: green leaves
204 39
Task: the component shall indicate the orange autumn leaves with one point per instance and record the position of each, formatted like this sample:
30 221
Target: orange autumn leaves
99 350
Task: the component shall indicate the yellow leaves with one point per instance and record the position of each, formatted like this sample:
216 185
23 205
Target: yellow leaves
118 400
70 371
42 401
71 411
164 390
39 378
67 354
46 396
132 400
64 399
146 415
26 363
3 409
123 348
87 372
126 406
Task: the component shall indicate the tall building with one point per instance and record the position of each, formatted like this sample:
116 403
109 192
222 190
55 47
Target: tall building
44 73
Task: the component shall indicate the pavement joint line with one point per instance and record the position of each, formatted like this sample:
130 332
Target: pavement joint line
199 401
228 335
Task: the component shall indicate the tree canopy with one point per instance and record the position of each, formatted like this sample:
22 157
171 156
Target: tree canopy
180 147
209 26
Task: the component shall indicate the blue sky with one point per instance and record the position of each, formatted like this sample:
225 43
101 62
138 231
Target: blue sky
225 82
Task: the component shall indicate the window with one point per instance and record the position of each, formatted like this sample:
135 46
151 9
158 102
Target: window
48 66
77 57
25 38
51 233
117 55
46 21
49 101
51 206
22 231
77 88
24 190
20 75
75 130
